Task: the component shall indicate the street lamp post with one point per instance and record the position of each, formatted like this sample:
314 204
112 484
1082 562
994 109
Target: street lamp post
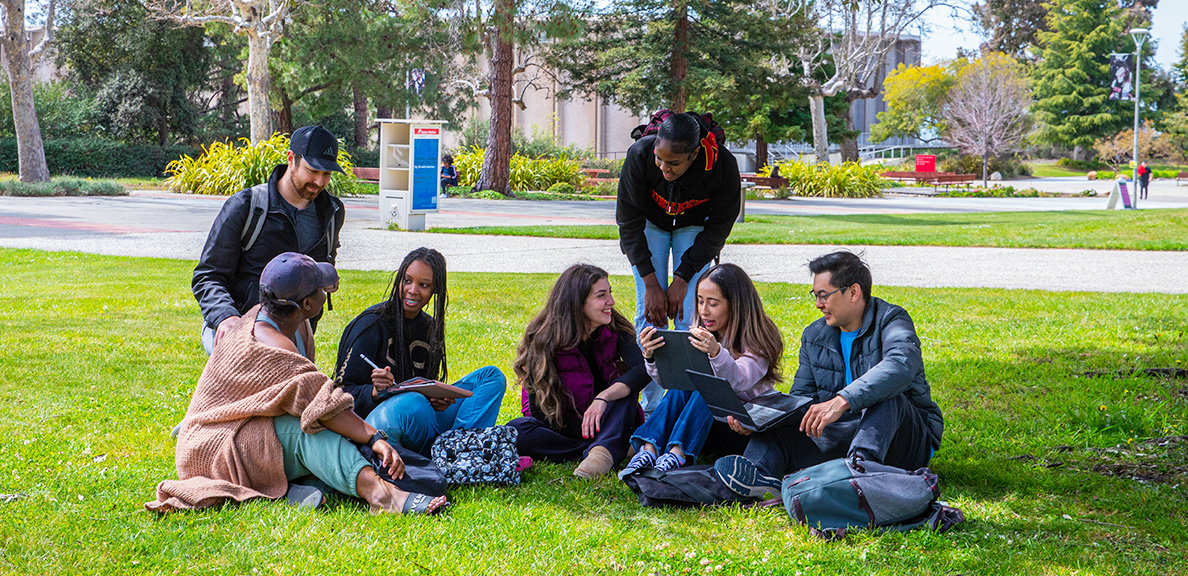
1139 35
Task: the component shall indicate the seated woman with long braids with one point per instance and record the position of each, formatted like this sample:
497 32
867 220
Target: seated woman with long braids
405 342
581 372
262 415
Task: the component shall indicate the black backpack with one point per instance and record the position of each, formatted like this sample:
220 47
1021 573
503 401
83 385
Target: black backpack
682 487
708 126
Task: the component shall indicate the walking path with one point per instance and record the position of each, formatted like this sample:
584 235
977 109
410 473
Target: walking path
174 226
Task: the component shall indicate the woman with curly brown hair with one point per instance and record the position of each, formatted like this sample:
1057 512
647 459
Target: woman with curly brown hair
581 372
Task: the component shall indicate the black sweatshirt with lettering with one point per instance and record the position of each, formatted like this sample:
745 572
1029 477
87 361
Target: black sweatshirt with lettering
700 197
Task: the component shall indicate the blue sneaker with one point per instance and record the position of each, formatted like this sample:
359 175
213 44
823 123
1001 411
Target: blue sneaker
642 459
744 478
669 461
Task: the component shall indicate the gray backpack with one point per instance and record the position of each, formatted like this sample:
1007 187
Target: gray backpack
849 494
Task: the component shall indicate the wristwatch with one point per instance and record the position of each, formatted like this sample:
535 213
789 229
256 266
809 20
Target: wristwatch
379 435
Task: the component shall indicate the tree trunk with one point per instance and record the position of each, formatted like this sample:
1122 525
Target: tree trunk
1078 153
259 83
849 144
360 117
163 130
820 130
30 148
383 112
985 163
678 68
496 172
284 115
760 152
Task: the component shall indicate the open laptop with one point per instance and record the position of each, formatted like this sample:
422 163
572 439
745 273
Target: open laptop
766 411
677 356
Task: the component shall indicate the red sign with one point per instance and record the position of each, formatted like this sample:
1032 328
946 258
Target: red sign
426 131
925 163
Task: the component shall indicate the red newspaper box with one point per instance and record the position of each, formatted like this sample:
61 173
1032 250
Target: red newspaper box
925 163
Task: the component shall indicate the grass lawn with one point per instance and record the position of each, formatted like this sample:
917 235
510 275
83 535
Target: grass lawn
99 356
1098 229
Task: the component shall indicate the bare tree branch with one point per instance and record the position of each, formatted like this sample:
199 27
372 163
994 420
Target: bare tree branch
47 39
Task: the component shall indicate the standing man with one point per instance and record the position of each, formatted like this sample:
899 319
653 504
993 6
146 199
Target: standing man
861 364
287 214
1144 174
679 194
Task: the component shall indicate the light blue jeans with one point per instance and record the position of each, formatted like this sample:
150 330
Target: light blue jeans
409 420
682 419
661 244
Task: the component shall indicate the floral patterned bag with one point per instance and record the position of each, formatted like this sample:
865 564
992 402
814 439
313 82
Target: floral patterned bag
483 456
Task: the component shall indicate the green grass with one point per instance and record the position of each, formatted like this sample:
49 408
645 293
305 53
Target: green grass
99 356
1054 171
1096 229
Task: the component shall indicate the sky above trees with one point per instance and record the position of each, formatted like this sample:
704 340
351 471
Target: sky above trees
947 34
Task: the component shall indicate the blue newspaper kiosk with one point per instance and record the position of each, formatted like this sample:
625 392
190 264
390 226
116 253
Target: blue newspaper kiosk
410 165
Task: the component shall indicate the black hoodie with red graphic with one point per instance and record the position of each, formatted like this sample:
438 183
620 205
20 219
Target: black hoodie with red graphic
708 195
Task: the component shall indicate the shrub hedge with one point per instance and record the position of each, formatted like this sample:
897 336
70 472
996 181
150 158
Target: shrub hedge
98 158
224 168
848 180
1008 166
525 174
62 187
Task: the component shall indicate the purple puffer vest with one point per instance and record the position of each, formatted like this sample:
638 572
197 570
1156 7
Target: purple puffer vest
575 374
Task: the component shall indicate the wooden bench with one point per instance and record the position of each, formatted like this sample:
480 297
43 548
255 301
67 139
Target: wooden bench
917 177
773 182
948 179
596 172
369 175
1181 176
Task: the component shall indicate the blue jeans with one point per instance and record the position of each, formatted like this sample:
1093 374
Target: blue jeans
661 244
682 419
409 420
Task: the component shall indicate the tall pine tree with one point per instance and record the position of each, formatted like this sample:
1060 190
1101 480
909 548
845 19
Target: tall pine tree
1072 77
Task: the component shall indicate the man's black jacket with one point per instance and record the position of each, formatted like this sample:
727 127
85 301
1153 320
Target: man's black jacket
227 280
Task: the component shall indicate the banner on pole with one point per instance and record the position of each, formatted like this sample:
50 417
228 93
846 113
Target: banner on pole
1122 77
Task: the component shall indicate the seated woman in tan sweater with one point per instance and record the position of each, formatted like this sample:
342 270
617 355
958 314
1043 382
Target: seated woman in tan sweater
262 414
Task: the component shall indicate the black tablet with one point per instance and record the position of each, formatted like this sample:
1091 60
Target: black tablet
675 357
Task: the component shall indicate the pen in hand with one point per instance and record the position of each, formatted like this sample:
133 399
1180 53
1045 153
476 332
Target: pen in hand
368 360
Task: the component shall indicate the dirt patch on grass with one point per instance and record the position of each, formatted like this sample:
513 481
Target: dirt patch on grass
1163 460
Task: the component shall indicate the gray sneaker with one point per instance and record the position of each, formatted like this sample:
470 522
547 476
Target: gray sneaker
642 459
744 478
668 461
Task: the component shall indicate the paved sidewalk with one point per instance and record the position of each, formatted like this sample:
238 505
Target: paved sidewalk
175 226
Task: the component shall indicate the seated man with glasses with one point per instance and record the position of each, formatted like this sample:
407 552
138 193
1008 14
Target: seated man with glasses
861 364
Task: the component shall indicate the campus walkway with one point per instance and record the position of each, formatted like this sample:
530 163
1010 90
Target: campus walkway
174 226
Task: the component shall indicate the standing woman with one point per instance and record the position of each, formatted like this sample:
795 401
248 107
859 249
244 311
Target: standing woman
263 415
744 347
581 372
679 194
405 342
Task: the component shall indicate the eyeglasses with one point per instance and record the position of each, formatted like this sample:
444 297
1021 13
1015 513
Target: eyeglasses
823 296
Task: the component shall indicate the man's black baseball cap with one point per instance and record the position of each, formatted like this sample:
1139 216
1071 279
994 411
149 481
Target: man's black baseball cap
318 146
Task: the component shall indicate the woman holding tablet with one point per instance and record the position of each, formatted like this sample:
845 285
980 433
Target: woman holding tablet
395 341
581 372
744 347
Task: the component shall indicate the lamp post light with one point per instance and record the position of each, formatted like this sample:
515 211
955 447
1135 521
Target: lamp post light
1139 35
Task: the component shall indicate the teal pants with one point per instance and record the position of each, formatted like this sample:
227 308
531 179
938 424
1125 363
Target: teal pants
326 455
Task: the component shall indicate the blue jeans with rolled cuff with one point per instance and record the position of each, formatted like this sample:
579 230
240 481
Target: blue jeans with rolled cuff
410 421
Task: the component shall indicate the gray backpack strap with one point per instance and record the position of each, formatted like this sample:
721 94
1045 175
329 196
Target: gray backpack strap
256 216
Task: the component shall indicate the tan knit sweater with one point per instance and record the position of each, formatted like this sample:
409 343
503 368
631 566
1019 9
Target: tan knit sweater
227 448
